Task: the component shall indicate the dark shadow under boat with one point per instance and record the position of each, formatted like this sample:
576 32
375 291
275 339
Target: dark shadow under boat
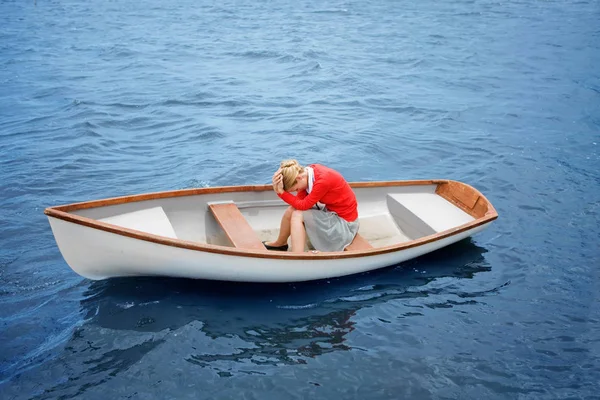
229 308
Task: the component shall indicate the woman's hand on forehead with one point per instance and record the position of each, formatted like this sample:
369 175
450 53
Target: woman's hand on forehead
278 182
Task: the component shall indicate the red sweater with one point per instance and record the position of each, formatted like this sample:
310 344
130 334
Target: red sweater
329 188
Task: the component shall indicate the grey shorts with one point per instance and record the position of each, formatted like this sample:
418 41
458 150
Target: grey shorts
327 231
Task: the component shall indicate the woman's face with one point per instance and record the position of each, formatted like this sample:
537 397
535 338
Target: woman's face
301 183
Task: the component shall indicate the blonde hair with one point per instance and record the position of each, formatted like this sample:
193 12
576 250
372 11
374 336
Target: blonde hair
290 170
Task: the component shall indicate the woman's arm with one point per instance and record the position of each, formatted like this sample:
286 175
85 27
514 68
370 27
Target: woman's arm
317 193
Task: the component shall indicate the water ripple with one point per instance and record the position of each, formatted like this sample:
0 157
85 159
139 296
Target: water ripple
105 99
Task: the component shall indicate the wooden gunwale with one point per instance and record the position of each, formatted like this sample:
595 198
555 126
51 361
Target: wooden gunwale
63 212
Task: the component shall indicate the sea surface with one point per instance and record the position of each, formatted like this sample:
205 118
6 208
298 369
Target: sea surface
110 98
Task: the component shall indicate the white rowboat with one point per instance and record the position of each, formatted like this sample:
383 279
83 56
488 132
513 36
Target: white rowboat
216 233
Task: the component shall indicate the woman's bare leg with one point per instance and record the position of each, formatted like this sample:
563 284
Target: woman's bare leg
284 229
298 232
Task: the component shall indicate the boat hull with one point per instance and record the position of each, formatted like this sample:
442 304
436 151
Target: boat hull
99 254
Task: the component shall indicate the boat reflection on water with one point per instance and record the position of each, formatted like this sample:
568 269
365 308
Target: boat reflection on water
265 323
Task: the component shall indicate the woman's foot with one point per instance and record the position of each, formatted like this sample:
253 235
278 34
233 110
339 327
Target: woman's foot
275 246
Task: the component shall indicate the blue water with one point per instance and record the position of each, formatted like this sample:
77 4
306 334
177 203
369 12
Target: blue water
109 98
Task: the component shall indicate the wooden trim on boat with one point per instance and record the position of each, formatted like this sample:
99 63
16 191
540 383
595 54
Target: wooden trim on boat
467 198
220 189
160 195
462 197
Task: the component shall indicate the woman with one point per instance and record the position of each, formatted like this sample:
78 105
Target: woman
331 225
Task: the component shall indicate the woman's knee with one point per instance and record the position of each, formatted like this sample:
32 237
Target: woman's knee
288 213
297 217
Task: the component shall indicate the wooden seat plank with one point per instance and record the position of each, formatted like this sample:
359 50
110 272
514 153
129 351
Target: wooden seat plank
237 229
359 243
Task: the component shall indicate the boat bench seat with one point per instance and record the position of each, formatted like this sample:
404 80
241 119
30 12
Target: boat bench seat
423 214
151 220
238 230
359 243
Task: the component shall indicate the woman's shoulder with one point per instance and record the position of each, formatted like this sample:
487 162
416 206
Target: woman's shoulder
322 171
